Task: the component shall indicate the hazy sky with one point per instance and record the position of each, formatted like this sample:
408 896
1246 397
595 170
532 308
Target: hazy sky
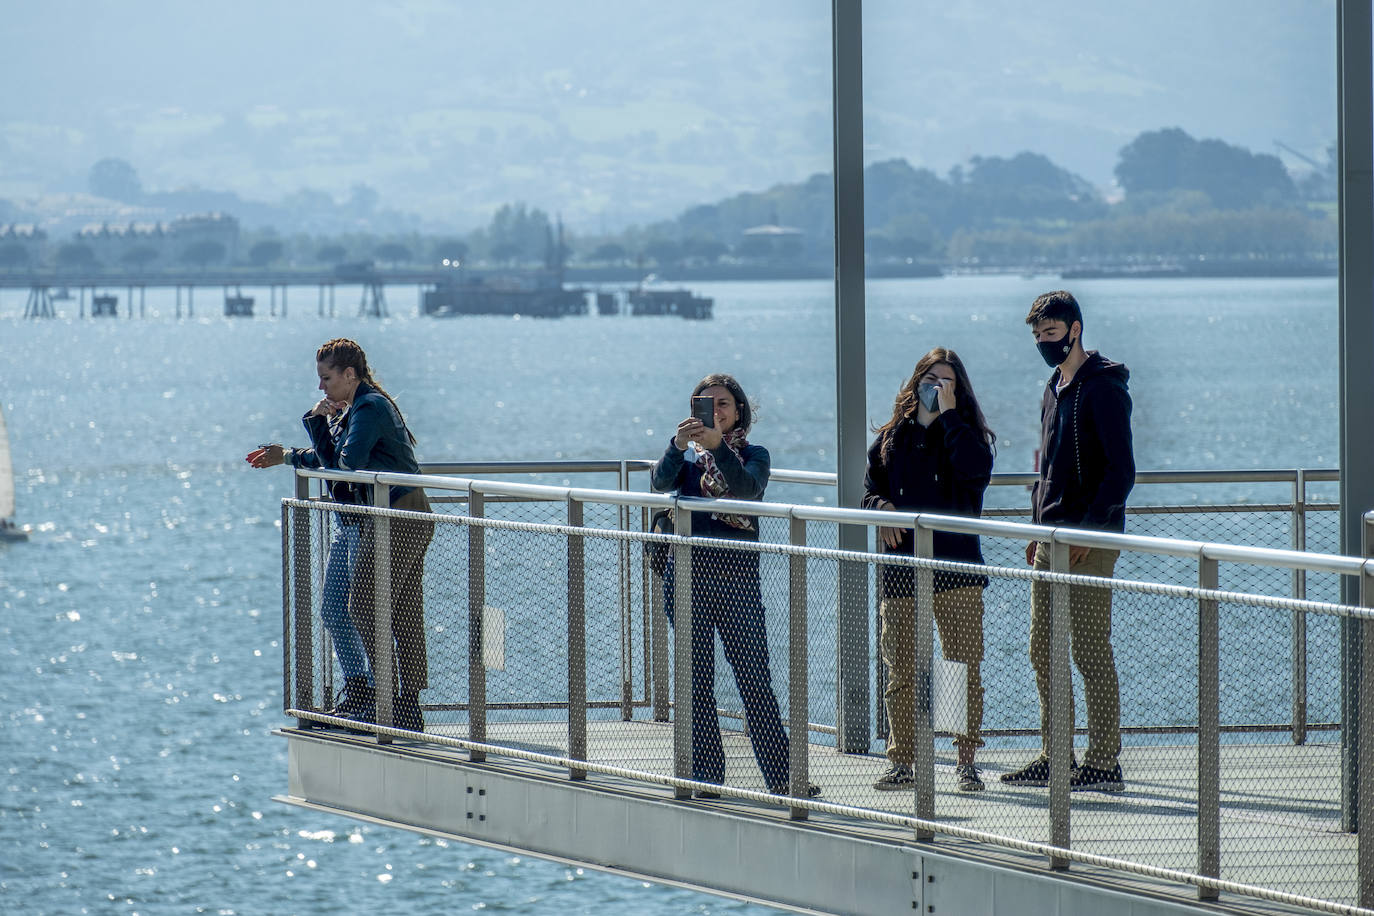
612 111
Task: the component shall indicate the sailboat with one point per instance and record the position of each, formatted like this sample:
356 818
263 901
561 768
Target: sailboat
9 531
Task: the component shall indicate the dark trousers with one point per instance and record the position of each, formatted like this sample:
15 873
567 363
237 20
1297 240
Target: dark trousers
726 599
409 540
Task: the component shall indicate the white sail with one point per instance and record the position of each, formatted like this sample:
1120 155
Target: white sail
6 472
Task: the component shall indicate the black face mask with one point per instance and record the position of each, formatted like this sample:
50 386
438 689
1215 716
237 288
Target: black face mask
1055 351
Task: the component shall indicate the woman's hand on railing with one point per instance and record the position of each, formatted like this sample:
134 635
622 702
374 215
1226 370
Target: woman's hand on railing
892 537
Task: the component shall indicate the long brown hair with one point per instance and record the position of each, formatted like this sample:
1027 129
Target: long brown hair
342 353
966 402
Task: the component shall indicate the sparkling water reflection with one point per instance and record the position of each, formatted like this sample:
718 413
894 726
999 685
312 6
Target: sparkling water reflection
142 626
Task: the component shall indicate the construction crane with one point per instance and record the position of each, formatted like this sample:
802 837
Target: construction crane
1320 167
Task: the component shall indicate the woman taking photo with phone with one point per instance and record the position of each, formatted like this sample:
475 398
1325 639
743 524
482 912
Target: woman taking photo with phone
357 426
934 455
710 457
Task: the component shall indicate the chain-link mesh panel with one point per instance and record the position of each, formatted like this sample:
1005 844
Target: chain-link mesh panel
500 605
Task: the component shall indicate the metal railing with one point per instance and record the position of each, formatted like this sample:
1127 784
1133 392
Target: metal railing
1206 673
1274 523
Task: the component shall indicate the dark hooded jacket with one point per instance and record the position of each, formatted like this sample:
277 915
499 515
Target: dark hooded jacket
943 468
1087 466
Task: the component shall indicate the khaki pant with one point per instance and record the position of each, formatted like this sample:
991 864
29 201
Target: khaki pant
409 541
959 618
1090 643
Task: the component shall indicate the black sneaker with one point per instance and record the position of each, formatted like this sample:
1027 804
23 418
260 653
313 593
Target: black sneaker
897 778
1035 774
1093 779
706 794
969 780
812 790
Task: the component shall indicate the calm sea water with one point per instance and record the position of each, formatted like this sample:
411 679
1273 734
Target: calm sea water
141 670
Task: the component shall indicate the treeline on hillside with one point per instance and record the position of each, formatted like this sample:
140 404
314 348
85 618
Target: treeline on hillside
1179 199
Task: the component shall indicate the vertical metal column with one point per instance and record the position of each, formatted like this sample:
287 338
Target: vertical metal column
1061 704
287 561
1355 143
383 647
1208 730
627 656
682 652
577 642
1299 705
852 695
798 684
477 598
923 763
303 603
658 633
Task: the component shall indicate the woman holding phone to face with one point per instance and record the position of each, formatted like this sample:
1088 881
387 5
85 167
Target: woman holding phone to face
357 426
715 460
934 455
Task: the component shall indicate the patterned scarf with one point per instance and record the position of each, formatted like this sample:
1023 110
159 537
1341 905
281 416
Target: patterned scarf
713 481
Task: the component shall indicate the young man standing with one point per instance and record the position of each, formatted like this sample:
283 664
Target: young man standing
1087 469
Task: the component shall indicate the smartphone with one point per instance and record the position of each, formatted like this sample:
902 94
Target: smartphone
704 409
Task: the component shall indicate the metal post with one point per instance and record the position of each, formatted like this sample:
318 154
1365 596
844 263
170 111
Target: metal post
303 602
627 659
477 597
852 695
682 652
283 300
923 764
1061 704
577 642
659 635
1355 142
1299 690
798 699
383 660
1208 730
288 660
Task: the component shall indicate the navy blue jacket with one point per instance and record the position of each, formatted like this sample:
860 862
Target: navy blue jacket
1087 466
371 437
943 468
746 479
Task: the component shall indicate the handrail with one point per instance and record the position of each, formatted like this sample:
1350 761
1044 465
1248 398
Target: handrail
829 478
1177 547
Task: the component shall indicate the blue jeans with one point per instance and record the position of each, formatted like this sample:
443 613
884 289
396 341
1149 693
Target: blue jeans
726 598
338 580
